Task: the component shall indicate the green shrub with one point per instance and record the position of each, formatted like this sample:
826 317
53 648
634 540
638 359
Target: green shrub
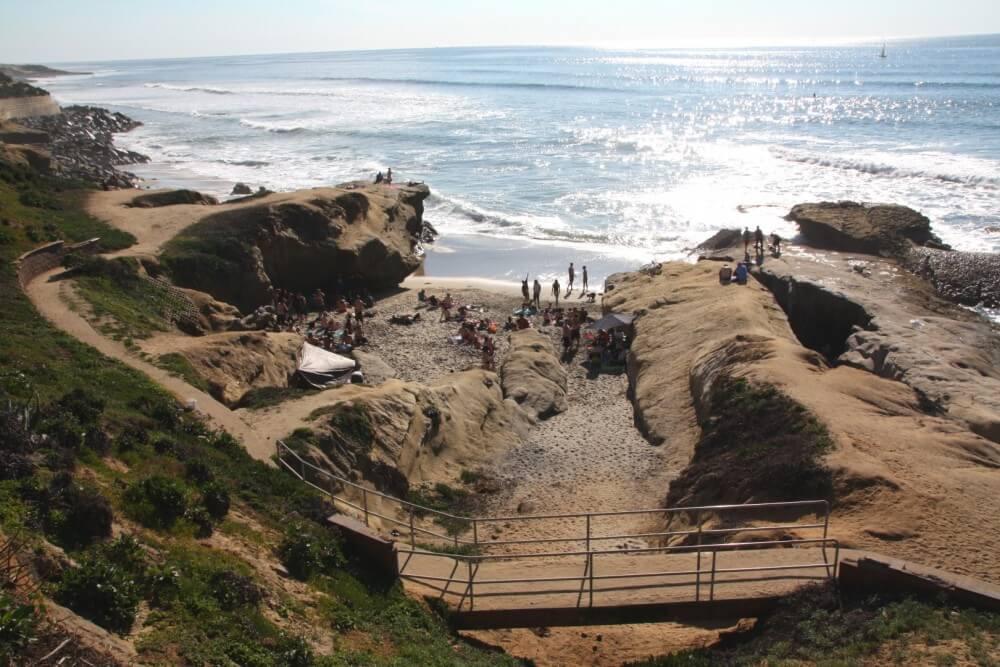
157 501
233 590
18 622
305 553
76 515
216 500
107 586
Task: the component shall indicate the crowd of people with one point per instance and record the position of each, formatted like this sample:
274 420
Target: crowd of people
333 322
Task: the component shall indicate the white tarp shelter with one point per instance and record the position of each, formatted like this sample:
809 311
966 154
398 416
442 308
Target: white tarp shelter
320 368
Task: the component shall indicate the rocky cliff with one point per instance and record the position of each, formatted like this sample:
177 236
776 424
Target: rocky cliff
301 241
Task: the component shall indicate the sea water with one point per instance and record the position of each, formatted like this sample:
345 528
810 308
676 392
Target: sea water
613 157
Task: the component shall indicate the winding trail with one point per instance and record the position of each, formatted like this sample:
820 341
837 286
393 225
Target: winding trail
52 299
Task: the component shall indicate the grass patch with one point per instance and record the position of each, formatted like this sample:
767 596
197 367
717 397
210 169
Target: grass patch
443 498
759 444
124 305
177 365
816 626
259 398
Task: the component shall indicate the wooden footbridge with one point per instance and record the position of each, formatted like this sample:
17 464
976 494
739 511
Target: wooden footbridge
687 564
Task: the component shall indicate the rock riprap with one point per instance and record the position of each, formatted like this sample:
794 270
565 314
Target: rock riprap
532 375
301 241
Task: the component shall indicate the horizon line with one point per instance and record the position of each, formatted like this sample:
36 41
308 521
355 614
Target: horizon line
605 46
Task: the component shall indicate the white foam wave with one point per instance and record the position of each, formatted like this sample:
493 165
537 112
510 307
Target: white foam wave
878 168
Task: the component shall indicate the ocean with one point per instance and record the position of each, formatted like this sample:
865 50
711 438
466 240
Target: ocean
614 158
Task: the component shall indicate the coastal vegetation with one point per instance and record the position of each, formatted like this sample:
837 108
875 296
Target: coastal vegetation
93 449
757 445
819 625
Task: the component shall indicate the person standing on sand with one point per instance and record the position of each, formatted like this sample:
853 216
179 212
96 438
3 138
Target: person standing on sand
585 285
758 241
537 291
746 240
572 274
555 290
524 289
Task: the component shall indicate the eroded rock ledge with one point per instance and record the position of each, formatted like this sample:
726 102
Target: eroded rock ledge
301 241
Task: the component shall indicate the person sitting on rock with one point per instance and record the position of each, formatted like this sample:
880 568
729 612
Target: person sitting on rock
378 178
422 296
509 325
359 309
742 273
775 244
523 323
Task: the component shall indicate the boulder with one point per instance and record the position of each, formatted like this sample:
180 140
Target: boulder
399 434
234 363
724 239
533 376
873 229
241 189
213 316
301 241
172 198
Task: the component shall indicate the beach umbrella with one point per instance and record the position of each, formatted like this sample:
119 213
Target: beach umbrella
612 321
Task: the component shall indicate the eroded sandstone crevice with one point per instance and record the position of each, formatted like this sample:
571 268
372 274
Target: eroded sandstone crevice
822 320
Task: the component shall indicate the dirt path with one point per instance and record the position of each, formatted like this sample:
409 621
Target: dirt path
51 298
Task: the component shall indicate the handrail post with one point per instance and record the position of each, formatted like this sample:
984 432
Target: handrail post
413 535
475 532
697 576
588 532
472 590
590 555
364 502
711 587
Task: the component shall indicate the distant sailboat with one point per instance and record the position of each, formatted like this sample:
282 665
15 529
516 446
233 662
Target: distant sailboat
883 54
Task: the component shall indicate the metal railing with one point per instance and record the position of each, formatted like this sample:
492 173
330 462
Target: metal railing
700 577
585 542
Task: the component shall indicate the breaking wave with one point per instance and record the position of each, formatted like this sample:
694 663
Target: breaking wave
887 170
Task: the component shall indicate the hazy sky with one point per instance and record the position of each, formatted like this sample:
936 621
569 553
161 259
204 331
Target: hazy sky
69 30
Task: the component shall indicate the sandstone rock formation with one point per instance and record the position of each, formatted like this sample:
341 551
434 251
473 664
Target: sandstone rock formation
234 363
892 324
533 376
213 316
301 241
173 198
874 229
910 483
399 434
241 189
